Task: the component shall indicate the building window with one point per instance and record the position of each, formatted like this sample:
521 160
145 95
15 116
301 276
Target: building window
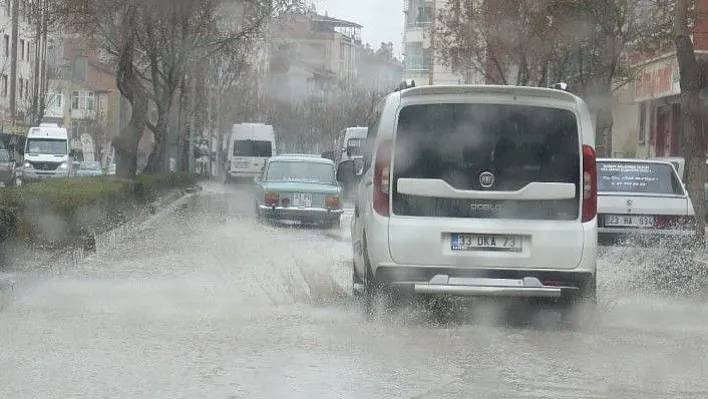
4 85
6 45
416 58
22 49
21 88
82 100
55 99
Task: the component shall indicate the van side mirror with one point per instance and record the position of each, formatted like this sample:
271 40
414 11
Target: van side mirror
346 171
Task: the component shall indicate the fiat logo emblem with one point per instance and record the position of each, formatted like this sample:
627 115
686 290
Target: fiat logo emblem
486 179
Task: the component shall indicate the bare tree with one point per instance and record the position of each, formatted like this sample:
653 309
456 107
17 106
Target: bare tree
184 33
154 43
44 17
537 42
692 80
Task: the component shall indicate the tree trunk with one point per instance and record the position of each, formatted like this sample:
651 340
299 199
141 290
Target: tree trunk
156 160
692 140
42 103
603 129
14 36
129 84
126 144
34 112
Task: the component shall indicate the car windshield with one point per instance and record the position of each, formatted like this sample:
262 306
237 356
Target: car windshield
637 177
46 146
301 171
91 165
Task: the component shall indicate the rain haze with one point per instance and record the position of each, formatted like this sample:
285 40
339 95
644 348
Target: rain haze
248 202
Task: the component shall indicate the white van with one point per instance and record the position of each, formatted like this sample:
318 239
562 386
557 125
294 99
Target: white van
47 154
478 191
350 141
251 144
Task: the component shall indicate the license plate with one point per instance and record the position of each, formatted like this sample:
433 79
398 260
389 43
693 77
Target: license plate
242 164
302 200
486 242
629 221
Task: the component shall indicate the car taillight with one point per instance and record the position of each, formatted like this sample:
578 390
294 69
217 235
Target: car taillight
382 178
589 184
674 222
332 202
272 199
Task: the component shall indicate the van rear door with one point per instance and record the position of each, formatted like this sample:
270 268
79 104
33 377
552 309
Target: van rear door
491 182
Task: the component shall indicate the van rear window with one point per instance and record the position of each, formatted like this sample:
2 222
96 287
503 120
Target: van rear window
459 143
253 148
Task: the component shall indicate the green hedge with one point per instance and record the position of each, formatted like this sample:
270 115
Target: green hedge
56 209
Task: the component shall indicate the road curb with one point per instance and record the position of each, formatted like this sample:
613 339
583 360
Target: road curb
9 281
156 211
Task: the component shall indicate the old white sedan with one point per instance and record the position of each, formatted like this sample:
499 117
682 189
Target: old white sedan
642 202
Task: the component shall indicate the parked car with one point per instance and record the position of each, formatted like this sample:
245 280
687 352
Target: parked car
7 168
302 188
89 168
478 191
679 164
642 202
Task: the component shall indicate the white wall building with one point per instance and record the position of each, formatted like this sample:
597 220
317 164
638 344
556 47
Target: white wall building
26 52
421 60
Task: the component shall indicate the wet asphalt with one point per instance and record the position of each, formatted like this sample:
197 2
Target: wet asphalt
204 302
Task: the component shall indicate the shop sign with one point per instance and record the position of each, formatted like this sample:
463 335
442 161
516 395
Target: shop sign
657 79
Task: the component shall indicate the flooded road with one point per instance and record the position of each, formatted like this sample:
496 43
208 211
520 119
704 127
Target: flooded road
206 303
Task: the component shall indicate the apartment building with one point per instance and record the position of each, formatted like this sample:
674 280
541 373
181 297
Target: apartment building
82 95
26 54
421 60
310 53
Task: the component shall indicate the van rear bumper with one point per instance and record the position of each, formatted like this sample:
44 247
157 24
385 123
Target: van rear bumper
487 282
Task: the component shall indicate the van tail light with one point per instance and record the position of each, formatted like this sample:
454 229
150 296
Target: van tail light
332 202
272 199
382 178
675 222
589 184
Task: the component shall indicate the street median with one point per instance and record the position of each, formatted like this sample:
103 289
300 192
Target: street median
60 213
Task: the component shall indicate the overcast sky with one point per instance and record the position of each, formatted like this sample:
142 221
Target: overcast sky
382 20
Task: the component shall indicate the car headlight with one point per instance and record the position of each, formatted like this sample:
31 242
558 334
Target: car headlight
27 165
63 165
